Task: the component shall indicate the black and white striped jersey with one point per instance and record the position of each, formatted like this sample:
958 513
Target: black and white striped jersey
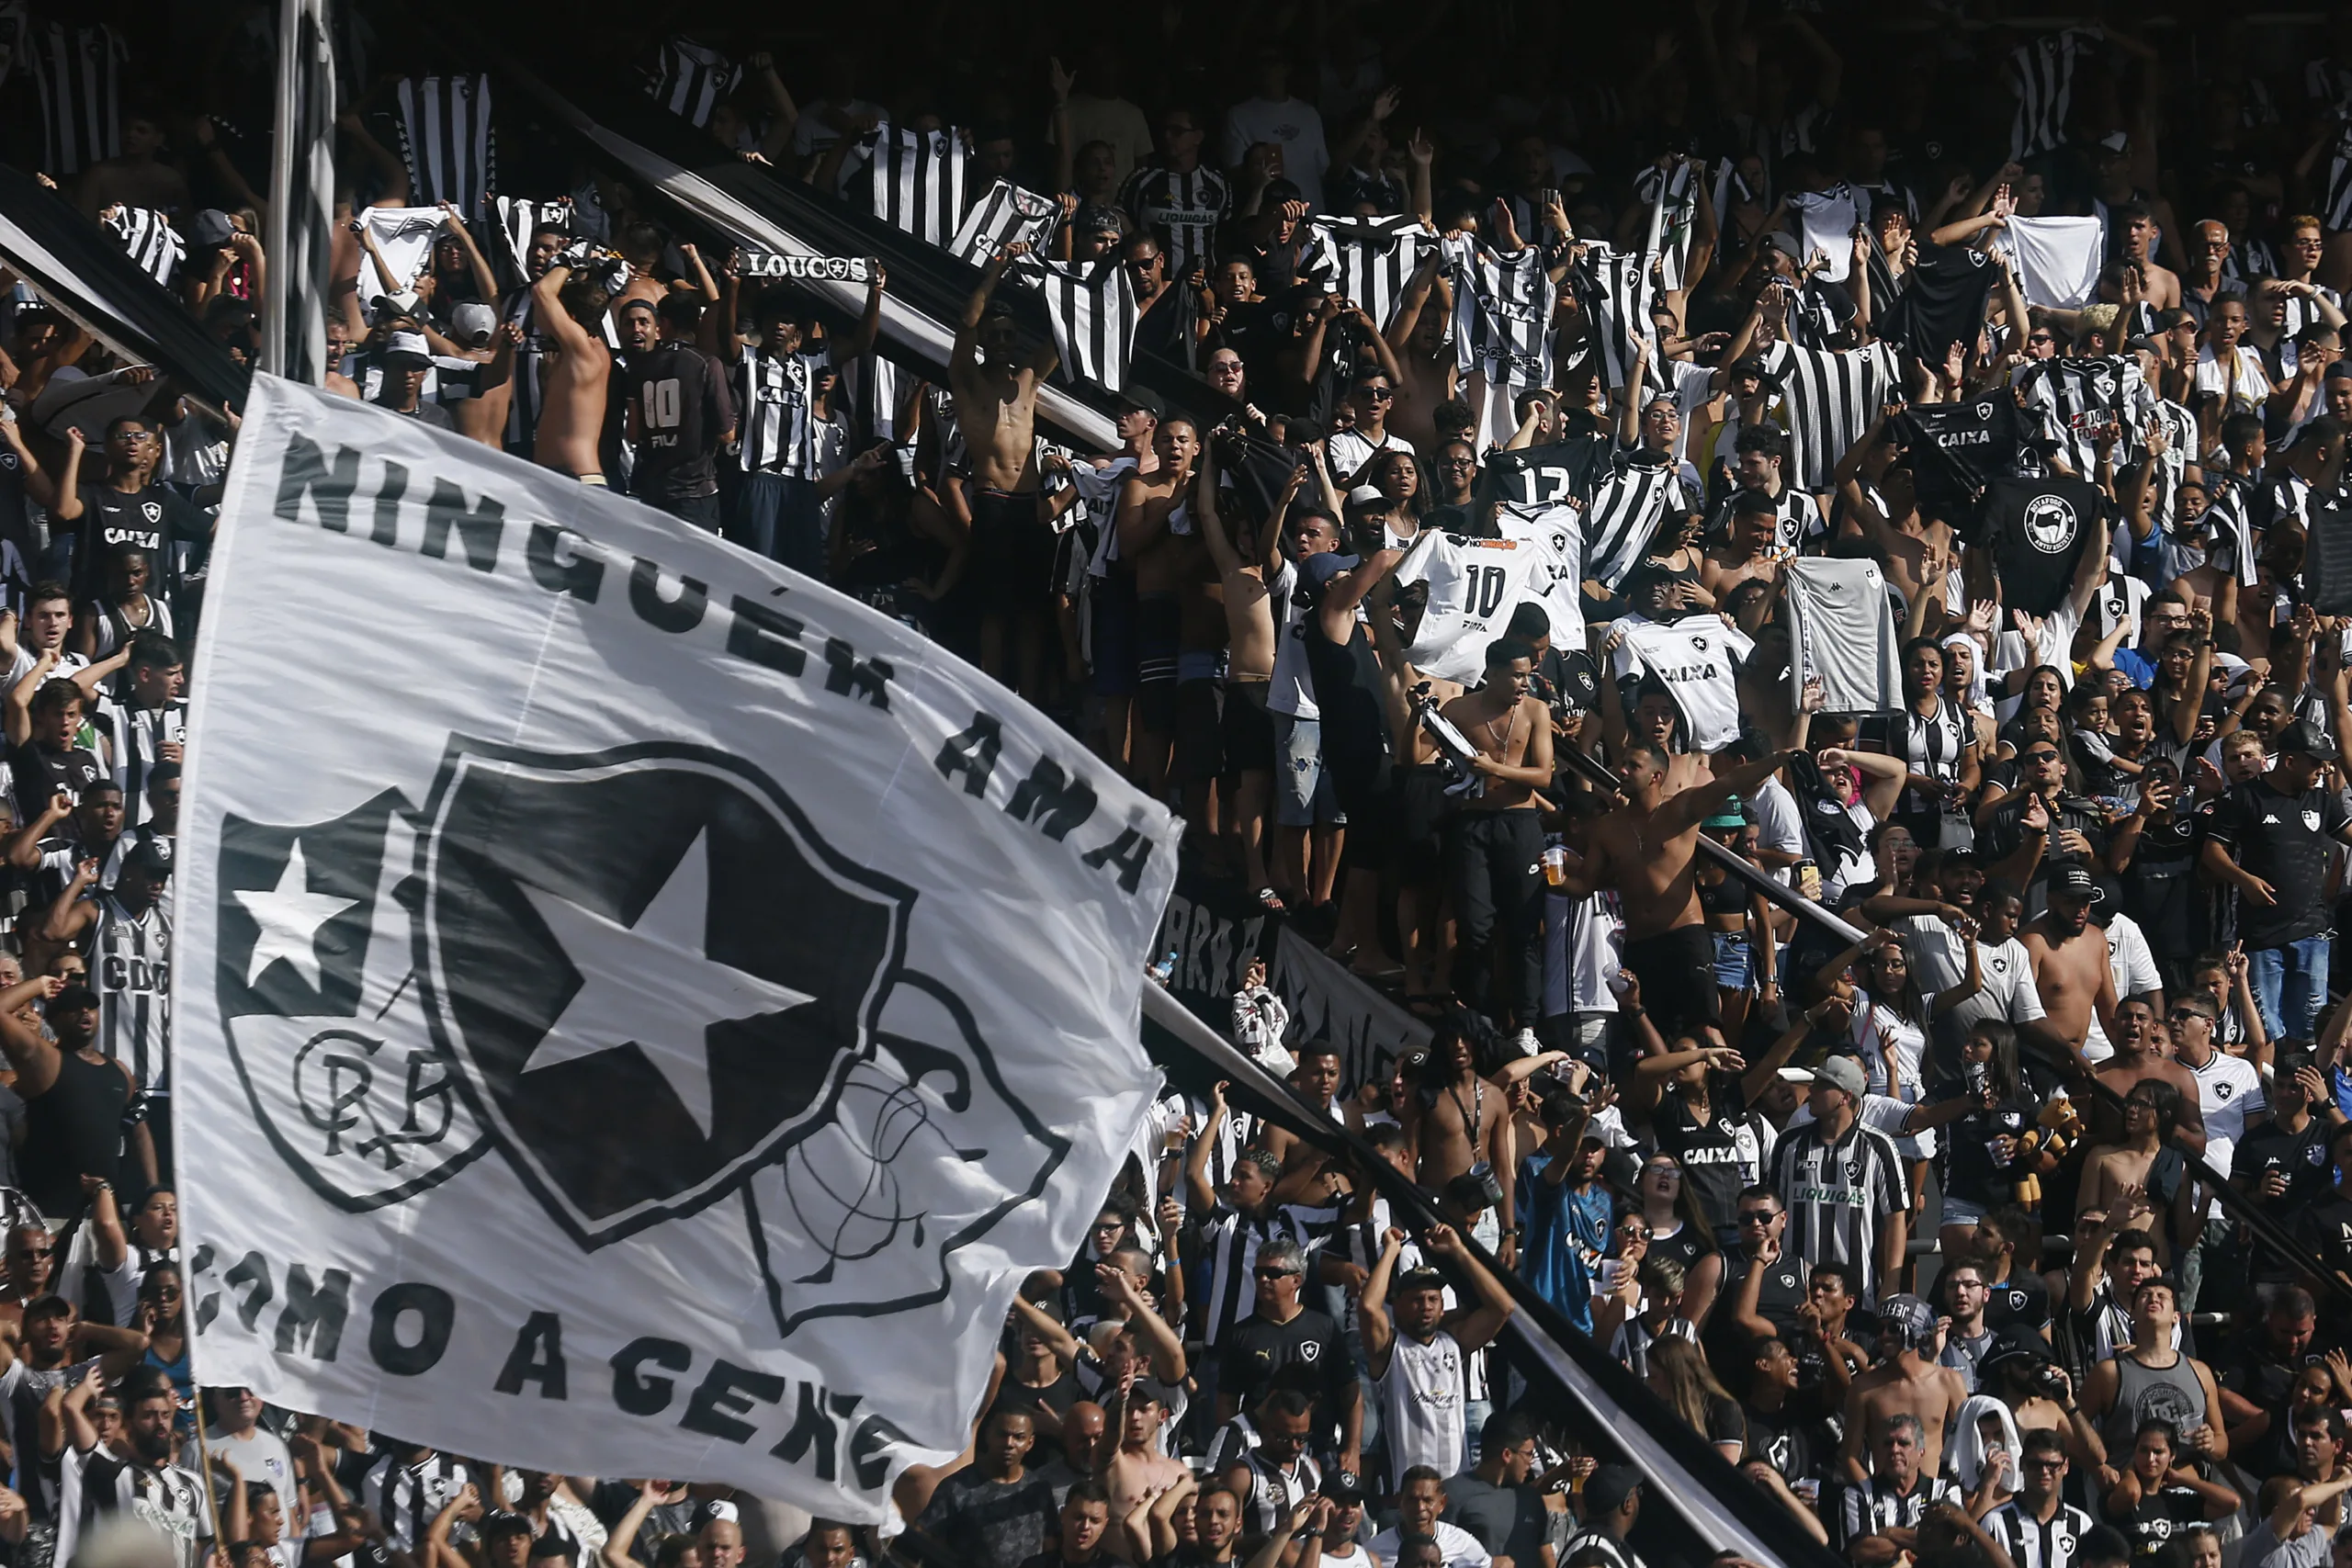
1502 314
1184 209
135 738
77 73
2039 1543
446 140
148 238
1005 215
1876 1506
772 396
1828 399
407 1497
1232 1240
23 1387
1797 518
2074 396
1838 1193
2042 77
1091 306
96 1485
919 181
1367 260
130 968
1625 514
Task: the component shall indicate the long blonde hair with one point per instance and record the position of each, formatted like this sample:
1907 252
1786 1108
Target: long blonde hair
1679 1373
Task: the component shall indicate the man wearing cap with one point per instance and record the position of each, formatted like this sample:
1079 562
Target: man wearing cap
1612 1502
2270 839
1416 1365
1844 1182
1909 1381
2071 972
407 361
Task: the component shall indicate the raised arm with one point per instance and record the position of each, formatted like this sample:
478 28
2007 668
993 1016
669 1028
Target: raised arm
547 291
1198 1193
869 325
1371 1306
1476 1329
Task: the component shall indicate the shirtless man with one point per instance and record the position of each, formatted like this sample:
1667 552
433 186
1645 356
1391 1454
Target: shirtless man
1138 1473
1646 849
573 374
1749 548
2159 286
2142 1050
1425 363
1494 843
2070 967
996 409
1915 552
1912 1382
1248 729
1464 1121
1152 507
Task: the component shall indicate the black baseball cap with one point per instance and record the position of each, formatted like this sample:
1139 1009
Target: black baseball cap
1610 1485
146 858
2071 879
2304 739
1142 399
1343 1487
74 999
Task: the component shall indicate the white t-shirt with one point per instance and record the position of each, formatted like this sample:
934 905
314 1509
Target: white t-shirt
1292 690
1293 126
1347 451
260 1455
1779 827
2132 967
2229 1092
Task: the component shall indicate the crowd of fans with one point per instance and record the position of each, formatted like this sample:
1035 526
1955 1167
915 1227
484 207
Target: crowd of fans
2016 1233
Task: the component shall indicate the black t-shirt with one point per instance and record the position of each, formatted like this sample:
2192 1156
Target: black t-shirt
2302 1158
2161 890
1540 476
1686 1245
682 410
2287 840
991 1524
1257 1350
2325 1229
39 773
2039 529
1508 1521
2158 1518
1942 301
1779 1438
1970 1169
2019 1302
154 518
425 412
1957 449
2261 1378
1709 1153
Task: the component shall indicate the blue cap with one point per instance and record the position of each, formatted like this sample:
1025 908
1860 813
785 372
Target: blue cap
1321 568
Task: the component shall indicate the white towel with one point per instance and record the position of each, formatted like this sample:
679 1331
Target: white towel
1966 1450
2058 259
405 236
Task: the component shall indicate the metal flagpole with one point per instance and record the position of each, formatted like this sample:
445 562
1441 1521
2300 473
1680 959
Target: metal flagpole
276 242
204 1458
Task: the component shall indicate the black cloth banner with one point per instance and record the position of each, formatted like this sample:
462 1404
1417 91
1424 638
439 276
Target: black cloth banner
1957 449
2039 529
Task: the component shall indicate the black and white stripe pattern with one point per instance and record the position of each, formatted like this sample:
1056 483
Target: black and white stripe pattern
1368 260
307 211
149 239
772 398
1183 208
2033 1544
1232 1240
1624 516
2074 396
2336 212
1675 199
919 181
1092 308
96 1485
1876 1508
518 218
1006 215
78 73
136 738
2041 74
691 80
409 1497
446 140
1829 399
1617 290
130 958
1502 315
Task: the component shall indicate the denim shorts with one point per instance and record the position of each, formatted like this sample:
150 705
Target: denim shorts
1734 966
1303 794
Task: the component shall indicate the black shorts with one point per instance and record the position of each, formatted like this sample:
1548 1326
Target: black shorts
1012 564
1420 815
1160 625
1200 732
1677 970
1369 798
1249 728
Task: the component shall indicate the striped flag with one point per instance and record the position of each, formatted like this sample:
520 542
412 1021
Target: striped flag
77 73
1673 197
149 239
1829 399
1091 309
1368 260
446 141
302 216
919 181
1006 215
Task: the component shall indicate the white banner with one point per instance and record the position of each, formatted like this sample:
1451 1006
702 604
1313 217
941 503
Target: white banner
639 1012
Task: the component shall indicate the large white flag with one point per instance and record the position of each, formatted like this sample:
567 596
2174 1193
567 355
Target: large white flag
640 1013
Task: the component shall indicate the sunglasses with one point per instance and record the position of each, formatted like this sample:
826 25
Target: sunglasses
2181 1015
1275 1273
1376 394
2038 757
1756 1217
1633 1232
